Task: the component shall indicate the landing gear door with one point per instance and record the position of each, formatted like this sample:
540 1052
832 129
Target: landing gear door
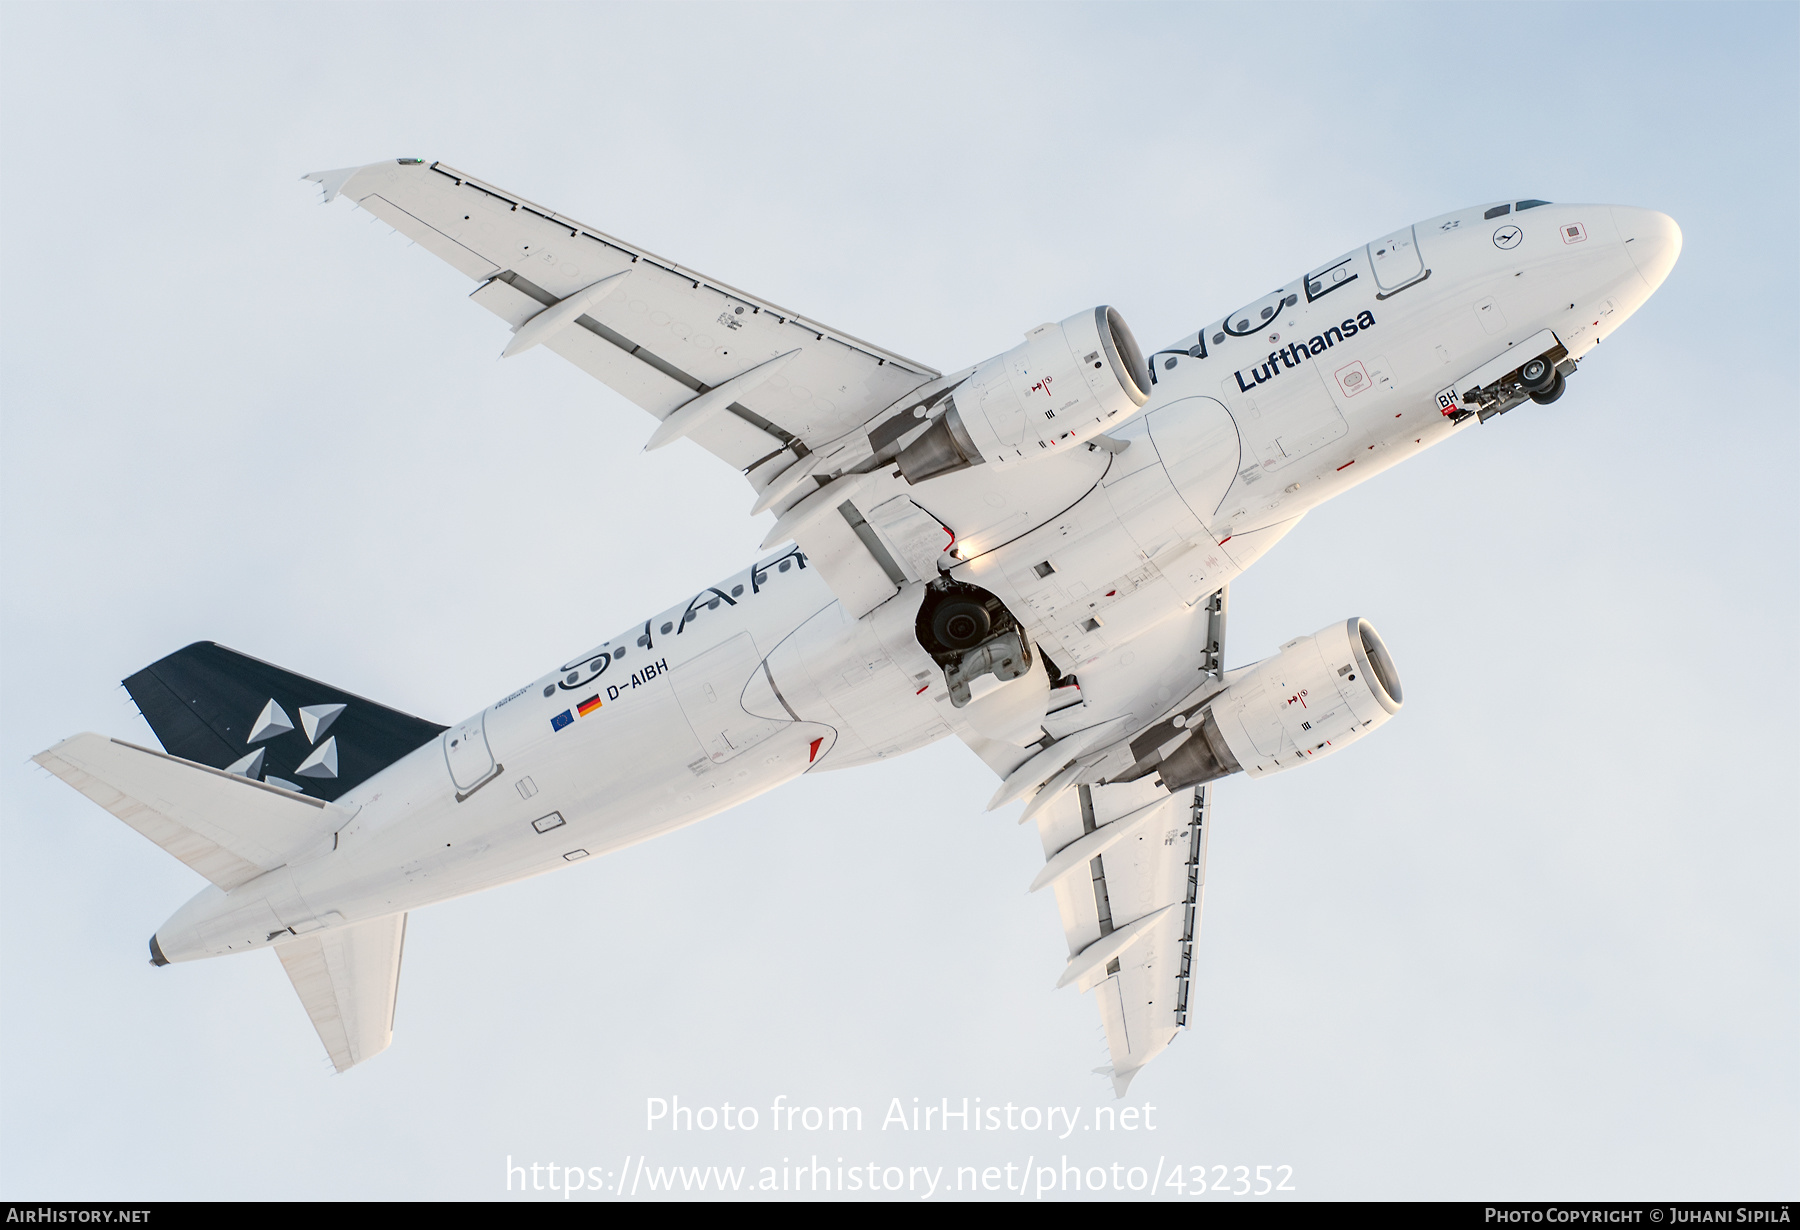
467 753
1396 261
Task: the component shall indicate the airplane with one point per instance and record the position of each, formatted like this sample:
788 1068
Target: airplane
1032 554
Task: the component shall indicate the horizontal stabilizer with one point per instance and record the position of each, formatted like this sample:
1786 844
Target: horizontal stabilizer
347 979
225 826
218 707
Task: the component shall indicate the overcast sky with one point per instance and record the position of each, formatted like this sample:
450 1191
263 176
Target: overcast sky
1538 938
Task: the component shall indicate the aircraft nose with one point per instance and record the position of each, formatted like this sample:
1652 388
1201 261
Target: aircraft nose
1653 240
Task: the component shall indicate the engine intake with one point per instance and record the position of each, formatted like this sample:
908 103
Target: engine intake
1057 389
1318 695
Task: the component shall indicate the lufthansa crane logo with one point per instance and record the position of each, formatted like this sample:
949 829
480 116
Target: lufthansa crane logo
1507 237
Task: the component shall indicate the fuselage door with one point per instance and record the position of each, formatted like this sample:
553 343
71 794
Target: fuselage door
1396 260
466 751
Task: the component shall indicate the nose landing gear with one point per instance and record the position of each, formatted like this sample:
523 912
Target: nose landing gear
1537 376
1541 378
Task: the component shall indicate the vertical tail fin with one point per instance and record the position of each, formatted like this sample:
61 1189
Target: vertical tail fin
227 710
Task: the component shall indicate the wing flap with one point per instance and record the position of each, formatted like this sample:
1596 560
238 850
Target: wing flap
659 390
510 304
628 369
728 437
228 828
348 979
617 367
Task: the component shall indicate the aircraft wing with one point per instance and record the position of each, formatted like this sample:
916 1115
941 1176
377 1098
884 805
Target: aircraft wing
759 386
1126 860
1127 863
348 979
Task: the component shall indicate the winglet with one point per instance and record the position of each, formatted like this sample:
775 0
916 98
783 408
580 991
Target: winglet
332 181
1121 1081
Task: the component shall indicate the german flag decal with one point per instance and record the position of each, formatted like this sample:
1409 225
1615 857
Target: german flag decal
589 705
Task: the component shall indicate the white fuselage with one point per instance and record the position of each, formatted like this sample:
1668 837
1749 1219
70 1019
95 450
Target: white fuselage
1104 557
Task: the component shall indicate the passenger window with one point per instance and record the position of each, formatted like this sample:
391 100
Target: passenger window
1498 211
1522 206
1249 320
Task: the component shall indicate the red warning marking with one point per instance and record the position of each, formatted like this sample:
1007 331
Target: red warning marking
813 754
1111 592
921 691
1348 464
1225 540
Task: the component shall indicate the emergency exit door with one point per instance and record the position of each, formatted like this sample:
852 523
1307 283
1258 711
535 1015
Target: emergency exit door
1396 261
466 752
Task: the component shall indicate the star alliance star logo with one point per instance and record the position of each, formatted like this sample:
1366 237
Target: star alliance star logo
315 720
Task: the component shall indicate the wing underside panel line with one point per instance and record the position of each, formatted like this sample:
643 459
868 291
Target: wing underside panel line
642 354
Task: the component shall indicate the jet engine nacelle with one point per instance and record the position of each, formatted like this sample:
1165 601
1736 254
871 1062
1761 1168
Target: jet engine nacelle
1319 694
1060 387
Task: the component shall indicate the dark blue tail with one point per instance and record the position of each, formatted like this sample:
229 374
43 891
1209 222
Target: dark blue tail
221 708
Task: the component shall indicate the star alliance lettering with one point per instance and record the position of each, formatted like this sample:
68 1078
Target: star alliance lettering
1291 356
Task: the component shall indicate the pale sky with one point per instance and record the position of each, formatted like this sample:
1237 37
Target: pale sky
1537 938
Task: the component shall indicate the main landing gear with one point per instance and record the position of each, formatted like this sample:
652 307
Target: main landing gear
969 632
